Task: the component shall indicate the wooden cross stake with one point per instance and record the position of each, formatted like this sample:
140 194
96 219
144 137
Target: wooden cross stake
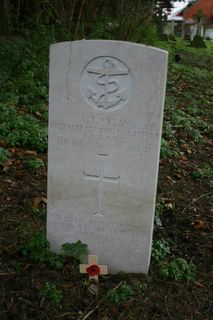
93 269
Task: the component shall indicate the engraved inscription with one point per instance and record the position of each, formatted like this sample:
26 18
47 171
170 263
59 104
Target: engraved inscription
104 133
106 83
100 178
91 226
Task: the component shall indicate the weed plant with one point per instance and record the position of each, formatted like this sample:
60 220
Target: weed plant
34 164
24 89
50 291
76 250
120 294
37 248
4 154
160 249
185 106
178 269
169 267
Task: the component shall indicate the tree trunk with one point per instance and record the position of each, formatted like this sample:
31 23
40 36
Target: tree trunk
4 17
77 23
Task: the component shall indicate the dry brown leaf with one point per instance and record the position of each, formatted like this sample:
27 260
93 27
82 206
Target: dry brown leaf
184 158
27 267
199 224
37 202
8 180
170 179
184 145
7 165
210 142
67 285
169 205
30 152
177 175
2 142
44 200
199 284
39 114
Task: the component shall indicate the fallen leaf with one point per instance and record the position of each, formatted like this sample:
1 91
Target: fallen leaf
177 175
199 224
170 179
30 152
184 145
8 181
13 184
67 285
210 142
2 142
44 200
127 304
169 205
184 158
38 114
37 202
199 284
7 165
27 267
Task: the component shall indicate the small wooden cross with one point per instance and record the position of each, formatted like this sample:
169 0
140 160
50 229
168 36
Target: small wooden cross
93 269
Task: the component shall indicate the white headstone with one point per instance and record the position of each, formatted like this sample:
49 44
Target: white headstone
105 119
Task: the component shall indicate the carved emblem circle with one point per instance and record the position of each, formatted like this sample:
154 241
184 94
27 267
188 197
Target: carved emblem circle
106 83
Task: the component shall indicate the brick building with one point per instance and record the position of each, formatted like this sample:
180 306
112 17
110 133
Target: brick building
198 14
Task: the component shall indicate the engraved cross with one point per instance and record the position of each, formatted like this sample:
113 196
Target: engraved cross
101 178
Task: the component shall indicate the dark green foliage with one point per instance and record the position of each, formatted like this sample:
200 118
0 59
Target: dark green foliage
4 154
198 42
124 292
24 90
24 76
164 37
203 172
160 249
75 250
34 164
38 249
184 108
39 213
178 269
22 129
50 292
120 294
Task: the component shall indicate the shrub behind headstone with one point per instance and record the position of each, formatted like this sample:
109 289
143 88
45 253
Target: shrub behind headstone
198 42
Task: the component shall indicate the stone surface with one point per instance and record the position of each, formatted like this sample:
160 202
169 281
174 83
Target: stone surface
105 118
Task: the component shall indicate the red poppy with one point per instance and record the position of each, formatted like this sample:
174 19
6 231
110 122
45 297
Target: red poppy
93 270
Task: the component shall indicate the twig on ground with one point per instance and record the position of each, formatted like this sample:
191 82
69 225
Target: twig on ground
167 308
202 196
89 313
5 274
63 315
